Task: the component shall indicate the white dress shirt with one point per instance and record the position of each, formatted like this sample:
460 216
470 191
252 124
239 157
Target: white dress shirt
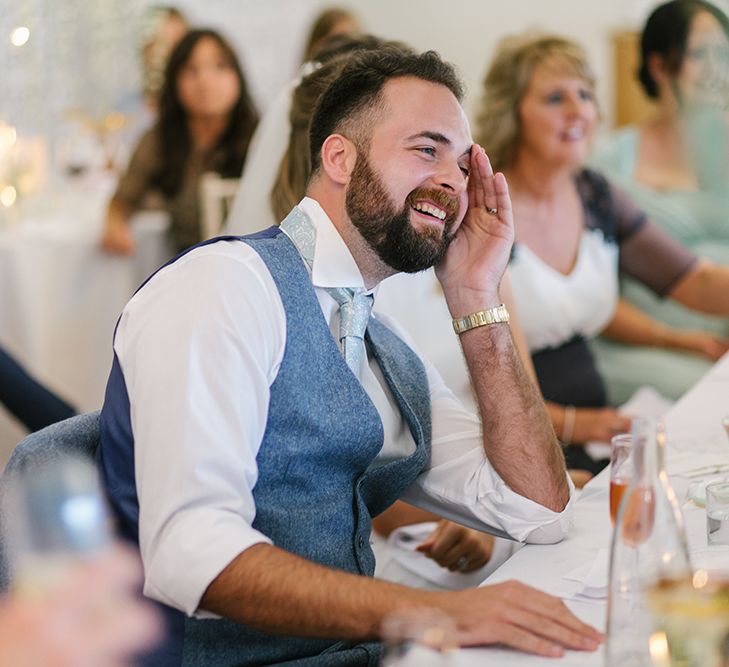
199 346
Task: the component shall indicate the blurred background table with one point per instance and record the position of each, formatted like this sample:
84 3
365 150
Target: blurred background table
695 438
60 296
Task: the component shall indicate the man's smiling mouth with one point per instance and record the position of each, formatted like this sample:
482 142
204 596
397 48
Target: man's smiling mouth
430 210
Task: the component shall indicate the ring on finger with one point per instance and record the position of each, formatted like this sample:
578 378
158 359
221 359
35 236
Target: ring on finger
462 563
492 211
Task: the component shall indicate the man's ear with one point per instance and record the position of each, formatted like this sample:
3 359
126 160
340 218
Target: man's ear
338 157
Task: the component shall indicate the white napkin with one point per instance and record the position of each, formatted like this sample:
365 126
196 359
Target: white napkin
592 580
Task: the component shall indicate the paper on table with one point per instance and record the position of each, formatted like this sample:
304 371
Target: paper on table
645 402
591 579
404 541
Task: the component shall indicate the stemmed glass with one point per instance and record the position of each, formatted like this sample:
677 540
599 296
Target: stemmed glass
420 637
621 466
52 516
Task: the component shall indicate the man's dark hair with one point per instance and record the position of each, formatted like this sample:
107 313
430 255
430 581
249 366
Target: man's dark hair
358 89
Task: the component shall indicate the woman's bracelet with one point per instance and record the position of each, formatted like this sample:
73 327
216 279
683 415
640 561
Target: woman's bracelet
568 424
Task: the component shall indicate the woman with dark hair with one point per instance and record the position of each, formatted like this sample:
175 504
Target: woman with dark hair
206 120
674 166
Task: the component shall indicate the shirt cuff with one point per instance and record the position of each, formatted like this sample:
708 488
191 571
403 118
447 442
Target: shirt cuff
193 550
483 500
526 520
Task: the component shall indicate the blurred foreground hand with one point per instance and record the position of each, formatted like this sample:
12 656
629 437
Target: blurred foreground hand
92 618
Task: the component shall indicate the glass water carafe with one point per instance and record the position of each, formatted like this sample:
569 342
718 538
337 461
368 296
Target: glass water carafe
648 546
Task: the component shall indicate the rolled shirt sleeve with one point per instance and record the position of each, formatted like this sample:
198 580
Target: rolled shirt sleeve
198 362
199 356
462 485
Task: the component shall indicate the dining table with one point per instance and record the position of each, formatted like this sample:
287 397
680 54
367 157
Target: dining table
61 295
576 569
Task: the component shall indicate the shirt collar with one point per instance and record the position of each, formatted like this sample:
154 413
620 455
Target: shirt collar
333 264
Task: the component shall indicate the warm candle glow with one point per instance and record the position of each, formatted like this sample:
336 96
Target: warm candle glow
659 649
20 36
8 195
8 136
700 578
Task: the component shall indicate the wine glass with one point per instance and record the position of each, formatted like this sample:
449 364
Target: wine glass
419 637
53 515
620 470
692 613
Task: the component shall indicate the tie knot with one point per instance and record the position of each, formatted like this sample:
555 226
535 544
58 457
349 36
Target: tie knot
354 311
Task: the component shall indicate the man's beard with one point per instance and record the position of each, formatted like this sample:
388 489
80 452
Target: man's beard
388 231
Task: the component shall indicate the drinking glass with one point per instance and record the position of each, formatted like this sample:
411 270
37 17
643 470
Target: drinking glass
692 614
717 512
420 637
648 545
620 470
53 515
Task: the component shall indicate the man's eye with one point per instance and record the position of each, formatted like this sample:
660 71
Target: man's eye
465 171
428 150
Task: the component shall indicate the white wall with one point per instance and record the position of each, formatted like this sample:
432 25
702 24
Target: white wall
270 33
469 33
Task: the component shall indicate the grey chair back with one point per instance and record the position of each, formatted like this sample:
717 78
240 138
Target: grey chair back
77 436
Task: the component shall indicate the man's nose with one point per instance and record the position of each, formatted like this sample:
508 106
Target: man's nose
451 177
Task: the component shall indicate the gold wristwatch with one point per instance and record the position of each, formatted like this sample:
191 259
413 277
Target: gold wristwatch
481 318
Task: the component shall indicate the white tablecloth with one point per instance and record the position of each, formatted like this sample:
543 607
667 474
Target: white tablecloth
695 438
60 296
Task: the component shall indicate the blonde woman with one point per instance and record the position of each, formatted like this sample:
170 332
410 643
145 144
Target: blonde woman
574 231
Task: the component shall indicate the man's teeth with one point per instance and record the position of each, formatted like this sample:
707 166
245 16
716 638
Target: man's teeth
431 210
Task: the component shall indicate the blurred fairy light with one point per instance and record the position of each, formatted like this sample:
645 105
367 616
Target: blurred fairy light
8 195
8 136
20 36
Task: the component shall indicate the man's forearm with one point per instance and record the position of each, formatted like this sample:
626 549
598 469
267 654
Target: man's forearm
518 435
274 591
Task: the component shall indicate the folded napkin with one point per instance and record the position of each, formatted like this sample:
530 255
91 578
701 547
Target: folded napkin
591 580
696 492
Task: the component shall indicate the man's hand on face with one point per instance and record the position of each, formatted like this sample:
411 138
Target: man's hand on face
476 259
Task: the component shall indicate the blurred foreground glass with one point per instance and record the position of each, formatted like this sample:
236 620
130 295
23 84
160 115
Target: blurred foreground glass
621 470
692 615
648 545
418 638
52 515
717 512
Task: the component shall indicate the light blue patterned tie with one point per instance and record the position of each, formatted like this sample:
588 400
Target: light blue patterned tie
354 313
354 306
